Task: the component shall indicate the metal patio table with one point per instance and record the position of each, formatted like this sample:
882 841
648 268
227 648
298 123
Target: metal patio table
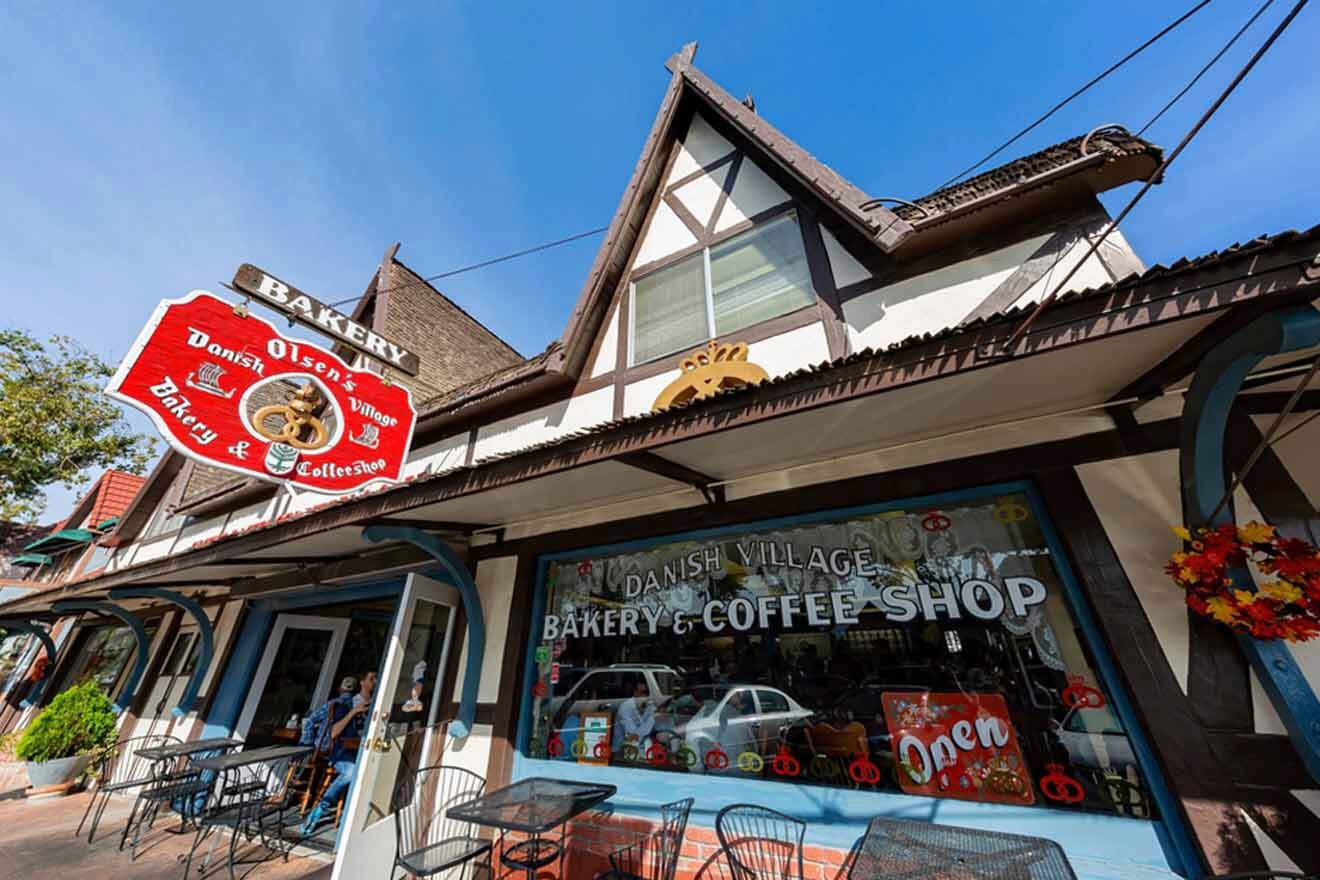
172 783
252 788
898 849
535 807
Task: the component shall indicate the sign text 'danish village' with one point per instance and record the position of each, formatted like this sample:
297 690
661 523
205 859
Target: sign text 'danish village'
231 391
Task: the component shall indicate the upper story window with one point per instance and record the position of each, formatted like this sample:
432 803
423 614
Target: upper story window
750 278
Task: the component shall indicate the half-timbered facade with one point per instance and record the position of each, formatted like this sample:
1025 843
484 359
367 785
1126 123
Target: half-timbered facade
773 388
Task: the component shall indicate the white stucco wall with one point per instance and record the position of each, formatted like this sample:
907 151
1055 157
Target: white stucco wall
943 298
546 423
843 265
665 235
439 456
753 192
931 301
608 355
701 146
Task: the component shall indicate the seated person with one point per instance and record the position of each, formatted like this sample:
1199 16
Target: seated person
327 727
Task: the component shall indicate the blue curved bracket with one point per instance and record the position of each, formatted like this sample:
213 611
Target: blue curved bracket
1218 379
44 637
205 638
139 632
476 620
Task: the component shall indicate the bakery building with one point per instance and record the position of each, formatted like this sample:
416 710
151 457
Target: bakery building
809 505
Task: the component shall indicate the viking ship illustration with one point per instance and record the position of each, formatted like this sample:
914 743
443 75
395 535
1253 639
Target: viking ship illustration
369 436
207 378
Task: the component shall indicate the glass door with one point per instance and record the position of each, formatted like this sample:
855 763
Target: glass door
403 730
293 678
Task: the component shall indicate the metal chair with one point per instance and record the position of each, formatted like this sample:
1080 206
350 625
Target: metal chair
654 857
117 769
174 784
251 800
426 840
760 843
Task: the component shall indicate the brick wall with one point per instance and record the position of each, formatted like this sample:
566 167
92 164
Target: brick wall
594 835
454 347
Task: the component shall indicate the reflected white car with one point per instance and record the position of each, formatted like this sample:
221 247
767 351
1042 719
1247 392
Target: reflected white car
737 718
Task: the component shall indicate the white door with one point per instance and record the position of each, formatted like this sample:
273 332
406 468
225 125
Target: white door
157 715
403 730
294 675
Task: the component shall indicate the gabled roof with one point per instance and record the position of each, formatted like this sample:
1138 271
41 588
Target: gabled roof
111 495
888 230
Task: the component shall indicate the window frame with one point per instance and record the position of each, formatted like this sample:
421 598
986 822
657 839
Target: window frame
703 249
648 784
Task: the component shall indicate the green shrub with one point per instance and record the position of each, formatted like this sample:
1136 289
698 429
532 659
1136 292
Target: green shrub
78 721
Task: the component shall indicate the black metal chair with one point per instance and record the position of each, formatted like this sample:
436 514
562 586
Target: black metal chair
427 840
760 843
118 769
174 784
654 857
251 801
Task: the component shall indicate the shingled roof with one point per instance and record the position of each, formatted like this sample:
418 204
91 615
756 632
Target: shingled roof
1103 145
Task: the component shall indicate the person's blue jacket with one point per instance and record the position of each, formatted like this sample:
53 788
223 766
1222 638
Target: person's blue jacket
322 721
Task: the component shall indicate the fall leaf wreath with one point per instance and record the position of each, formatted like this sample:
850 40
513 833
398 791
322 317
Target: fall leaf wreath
1285 605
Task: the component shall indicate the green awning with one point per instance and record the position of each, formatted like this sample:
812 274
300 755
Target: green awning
64 539
108 524
30 559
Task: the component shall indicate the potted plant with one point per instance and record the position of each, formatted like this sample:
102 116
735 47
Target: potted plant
64 738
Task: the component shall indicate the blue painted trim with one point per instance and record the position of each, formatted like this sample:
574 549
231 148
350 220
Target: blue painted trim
1176 838
242 665
139 632
34 696
841 814
1205 420
457 574
205 635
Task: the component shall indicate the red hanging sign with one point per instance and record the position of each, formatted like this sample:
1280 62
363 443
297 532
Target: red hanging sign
956 745
231 391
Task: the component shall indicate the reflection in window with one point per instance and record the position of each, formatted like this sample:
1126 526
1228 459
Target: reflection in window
925 650
752 277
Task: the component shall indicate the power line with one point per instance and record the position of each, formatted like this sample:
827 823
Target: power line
1159 172
484 263
1059 106
1209 64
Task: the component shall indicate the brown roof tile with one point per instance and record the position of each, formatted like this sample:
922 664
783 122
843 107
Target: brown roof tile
1112 142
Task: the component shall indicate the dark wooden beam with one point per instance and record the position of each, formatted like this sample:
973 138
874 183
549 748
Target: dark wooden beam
281 560
1271 402
430 525
1279 373
661 466
360 565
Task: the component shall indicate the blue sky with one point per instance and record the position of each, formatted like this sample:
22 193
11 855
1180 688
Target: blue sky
147 150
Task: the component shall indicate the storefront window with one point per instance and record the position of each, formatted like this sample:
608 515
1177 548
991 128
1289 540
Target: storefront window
105 655
928 650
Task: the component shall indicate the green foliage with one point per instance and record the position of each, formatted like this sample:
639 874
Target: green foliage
78 721
55 422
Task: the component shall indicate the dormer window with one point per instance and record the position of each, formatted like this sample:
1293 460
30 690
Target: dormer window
726 287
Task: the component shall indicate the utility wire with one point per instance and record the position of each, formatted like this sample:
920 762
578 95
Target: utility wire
1209 64
1059 106
1158 174
484 263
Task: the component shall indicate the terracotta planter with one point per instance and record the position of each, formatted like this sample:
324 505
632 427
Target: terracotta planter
61 771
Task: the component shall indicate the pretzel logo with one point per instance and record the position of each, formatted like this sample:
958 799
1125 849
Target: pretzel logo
298 416
704 373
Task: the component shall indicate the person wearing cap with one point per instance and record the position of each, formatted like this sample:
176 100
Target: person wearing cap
341 718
